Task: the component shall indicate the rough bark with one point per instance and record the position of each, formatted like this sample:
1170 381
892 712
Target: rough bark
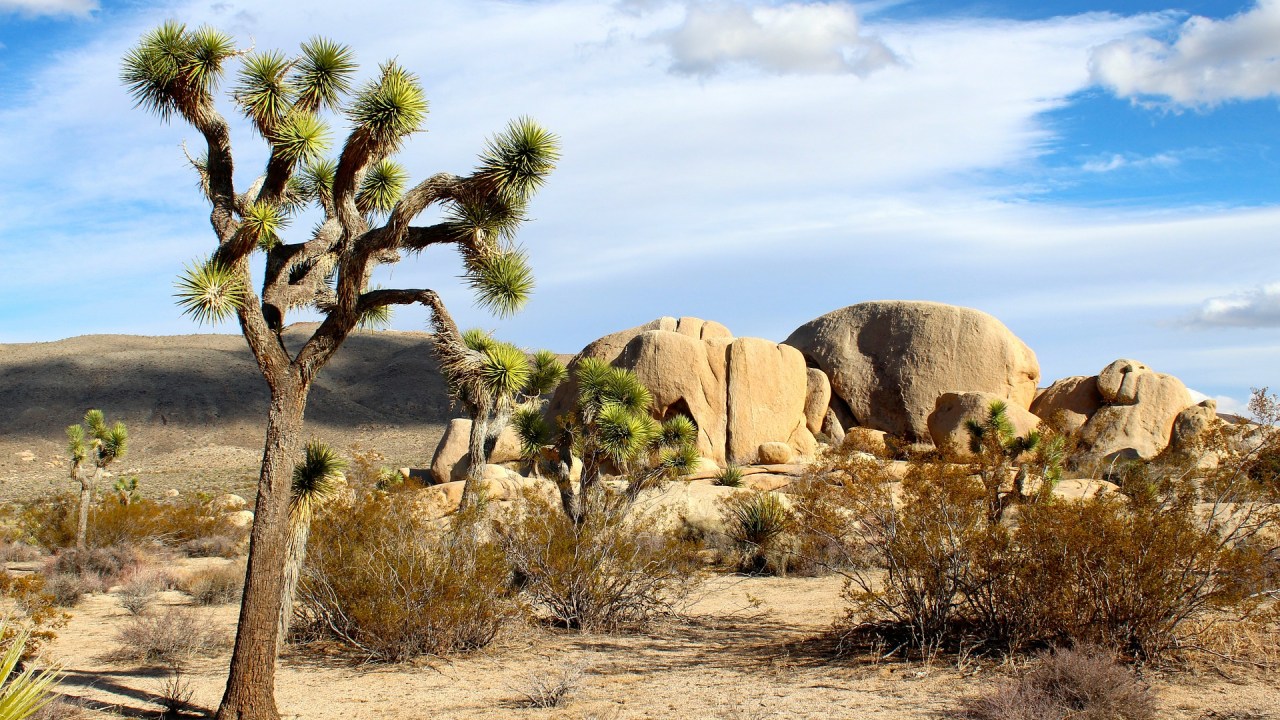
86 497
476 447
250 693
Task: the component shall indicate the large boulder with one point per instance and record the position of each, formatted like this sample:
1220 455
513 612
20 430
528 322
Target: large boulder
948 423
1068 403
890 360
741 392
1194 423
453 455
768 384
1138 417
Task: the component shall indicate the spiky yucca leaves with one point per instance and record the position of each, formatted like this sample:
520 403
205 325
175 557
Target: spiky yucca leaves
317 479
376 318
502 283
382 187
210 292
391 107
547 372
24 693
505 370
534 432
323 75
265 221
263 92
75 446
518 159
301 137
174 71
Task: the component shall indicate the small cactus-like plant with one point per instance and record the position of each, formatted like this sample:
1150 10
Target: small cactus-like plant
730 476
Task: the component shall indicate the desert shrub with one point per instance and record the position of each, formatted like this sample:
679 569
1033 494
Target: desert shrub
929 567
52 524
543 689
604 573
758 524
729 476
392 585
68 590
171 638
104 564
60 708
215 585
1069 685
138 592
33 614
18 552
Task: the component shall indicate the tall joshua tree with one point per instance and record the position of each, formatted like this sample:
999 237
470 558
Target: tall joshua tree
367 221
101 445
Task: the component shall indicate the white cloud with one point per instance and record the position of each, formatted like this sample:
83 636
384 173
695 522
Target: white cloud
49 8
1228 405
825 38
1259 307
1208 62
1117 161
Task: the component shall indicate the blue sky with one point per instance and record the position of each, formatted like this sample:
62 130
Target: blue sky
1101 176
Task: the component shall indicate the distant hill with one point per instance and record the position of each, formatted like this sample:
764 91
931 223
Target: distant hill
196 405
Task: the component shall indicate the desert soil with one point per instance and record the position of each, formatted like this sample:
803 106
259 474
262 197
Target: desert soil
745 649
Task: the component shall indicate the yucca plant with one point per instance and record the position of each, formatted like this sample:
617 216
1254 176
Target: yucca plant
316 481
729 476
24 692
100 444
756 522
610 424
368 207
997 447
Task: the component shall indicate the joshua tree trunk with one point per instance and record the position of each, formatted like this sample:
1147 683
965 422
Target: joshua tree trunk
476 446
86 497
250 693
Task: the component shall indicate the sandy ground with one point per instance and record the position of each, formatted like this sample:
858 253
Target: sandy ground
745 650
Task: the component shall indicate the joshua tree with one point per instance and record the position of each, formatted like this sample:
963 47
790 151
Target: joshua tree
491 379
997 447
316 480
610 423
102 445
367 221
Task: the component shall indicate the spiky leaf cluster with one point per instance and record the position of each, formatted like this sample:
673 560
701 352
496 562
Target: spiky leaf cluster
173 71
106 443
390 108
502 283
518 159
382 187
318 477
210 291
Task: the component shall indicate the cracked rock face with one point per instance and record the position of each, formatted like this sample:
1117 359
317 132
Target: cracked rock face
889 361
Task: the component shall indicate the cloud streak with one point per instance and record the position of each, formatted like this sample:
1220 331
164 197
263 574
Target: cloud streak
1256 308
1208 61
792 38
49 8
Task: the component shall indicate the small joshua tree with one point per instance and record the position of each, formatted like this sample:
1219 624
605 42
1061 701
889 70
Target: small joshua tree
610 423
100 444
316 480
492 379
368 213
997 447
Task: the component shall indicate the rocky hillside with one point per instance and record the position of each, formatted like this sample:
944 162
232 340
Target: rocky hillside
195 404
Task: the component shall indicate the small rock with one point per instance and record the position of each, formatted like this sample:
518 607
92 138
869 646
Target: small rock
172 493
775 453
240 518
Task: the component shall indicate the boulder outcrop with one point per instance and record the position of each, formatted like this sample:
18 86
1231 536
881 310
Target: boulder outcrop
888 361
740 392
1137 418
1068 403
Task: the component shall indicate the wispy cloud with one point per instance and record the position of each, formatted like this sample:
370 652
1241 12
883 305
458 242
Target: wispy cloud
1117 161
1206 63
1226 404
49 8
791 38
1256 308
